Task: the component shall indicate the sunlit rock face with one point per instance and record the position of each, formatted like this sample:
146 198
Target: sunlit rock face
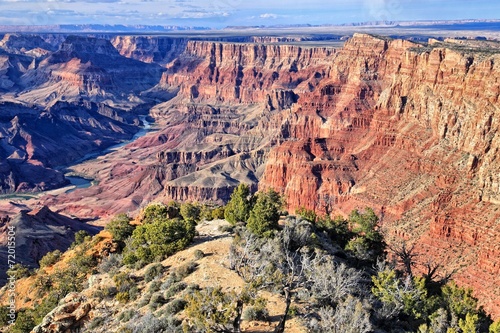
409 130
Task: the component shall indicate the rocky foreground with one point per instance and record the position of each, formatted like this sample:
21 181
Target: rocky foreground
406 128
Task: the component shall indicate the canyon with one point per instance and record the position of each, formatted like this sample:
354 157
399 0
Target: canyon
410 129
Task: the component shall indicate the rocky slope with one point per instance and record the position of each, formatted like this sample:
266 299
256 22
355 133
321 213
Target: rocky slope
33 45
37 232
34 141
90 68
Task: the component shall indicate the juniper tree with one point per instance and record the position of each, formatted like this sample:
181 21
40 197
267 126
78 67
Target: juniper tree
120 227
265 214
239 206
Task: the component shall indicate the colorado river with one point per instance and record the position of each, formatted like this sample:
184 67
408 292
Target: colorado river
81 182
77 181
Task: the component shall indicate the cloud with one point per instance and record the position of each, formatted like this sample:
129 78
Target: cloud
93 1
269 16
218 13
199 13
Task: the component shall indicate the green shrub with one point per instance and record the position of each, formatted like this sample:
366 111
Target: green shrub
368 243
206 213
307 214
227 228
154 286
4 312
133 293
111 263
152 272
144 300
120 227
168 282
184 270
106 292
293 311
218 213
123 297
80 237
265 214
82 263
96 322
126 315
192 287
211 310
123 282
190 212
175 306
198 254
24 322
495 327
337 229
50 258
159 211
130 258
252 313
156 301
19 271
109 291
151 324
43 282
175 289
158 239
459 300
257 310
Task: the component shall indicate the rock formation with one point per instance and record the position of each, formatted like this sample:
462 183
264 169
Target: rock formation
69 316
38 232
34 141
60 105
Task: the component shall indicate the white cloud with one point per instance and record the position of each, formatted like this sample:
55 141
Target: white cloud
269 16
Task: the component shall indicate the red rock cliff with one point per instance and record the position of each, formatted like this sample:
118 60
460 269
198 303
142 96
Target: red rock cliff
411 131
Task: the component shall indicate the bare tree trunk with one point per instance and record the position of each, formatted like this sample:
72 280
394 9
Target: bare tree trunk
288 300
237 320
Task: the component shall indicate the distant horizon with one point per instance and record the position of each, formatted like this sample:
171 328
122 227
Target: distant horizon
217 14
389 23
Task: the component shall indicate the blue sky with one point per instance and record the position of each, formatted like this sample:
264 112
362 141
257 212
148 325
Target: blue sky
221 13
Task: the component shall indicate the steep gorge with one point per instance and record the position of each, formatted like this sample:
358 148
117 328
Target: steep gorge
406 128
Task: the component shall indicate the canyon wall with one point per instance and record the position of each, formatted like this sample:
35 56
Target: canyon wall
410 130
59 103
413 132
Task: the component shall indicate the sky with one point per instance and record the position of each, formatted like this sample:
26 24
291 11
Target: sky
222 13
